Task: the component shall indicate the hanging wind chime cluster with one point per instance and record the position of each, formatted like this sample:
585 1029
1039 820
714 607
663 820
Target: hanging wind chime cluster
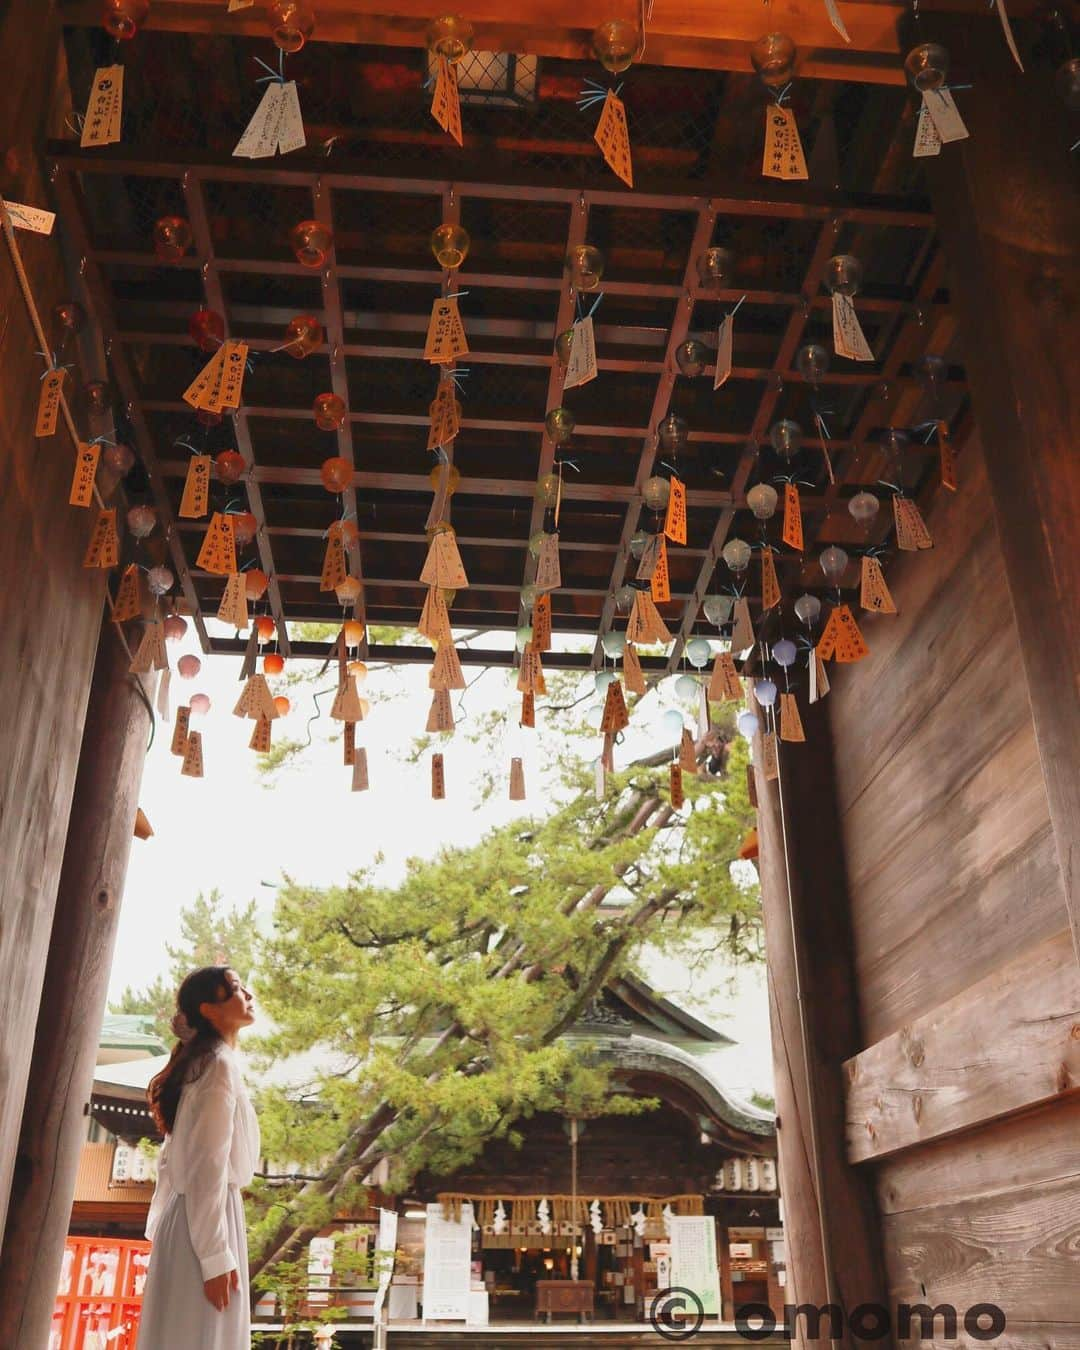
277 127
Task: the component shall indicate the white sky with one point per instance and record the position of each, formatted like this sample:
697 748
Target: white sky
231 831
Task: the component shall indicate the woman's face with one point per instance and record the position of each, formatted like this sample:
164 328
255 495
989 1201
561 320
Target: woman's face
233 1010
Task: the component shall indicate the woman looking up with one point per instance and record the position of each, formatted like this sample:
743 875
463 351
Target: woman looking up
196 1292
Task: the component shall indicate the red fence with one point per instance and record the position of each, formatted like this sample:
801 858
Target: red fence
100 1294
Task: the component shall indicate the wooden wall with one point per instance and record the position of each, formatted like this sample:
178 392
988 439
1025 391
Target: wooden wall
963 1101
50 609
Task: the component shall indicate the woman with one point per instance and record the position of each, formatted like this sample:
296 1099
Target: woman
196 1294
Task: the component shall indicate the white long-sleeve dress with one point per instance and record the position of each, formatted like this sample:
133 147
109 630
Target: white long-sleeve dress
196 1220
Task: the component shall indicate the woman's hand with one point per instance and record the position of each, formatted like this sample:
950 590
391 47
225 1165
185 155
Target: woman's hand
217 1289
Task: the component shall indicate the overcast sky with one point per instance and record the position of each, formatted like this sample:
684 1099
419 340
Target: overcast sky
231 831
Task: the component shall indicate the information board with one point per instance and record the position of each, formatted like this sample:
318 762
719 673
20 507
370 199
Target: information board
447 1265
693 1259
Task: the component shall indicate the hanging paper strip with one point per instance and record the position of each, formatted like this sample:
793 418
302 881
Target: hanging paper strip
443 566
676 786
218 551
360 770
770 585
529 670
256 700
446 339
874 594
742 636
632 673
348 741
446 101
724 343
848 337
660 581
911 531
614 717
196 498
783 156
793 531
725 683
548 572
581 367
104 111
347 706
770 760
541 623
687 754
613 137
440 715
48 409
842 639
791 727
517 780
446 670
941 107
261 736
650 556
438 778
947 457
445 413
819 679
335 567
150 653
645 626
435 617
103 549
528 709
675 520
193 758
233 608
180 731
128 604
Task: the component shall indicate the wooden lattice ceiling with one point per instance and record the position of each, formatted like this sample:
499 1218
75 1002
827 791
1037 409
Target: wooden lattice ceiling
527 184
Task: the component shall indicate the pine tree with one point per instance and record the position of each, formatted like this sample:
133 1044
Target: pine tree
435 1010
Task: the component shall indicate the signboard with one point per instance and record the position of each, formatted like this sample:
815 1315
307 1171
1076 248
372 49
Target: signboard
693 1259
447 1265
384 1260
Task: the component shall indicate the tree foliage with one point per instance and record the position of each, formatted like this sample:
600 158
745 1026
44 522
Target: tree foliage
210 935
430 1015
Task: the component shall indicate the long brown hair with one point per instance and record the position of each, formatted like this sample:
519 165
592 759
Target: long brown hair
209 984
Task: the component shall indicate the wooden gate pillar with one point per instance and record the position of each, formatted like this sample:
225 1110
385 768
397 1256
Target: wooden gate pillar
830 1216
73 997
1008 213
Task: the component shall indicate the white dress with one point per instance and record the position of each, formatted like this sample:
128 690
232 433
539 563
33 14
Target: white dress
196 1220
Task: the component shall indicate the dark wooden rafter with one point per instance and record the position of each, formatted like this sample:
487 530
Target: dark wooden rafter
339 380
680 326
204 255
98 292
576 234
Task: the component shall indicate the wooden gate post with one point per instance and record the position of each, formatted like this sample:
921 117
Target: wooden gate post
830 1216
73 996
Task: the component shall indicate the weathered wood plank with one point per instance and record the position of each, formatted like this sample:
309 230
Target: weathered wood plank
942 599
1009 1041
971 926
1016 288
1025 1150
1018 1249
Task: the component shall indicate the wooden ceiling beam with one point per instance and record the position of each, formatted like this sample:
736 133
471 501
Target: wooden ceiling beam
203 242
339 383
680 326
403 654
792 202
683 33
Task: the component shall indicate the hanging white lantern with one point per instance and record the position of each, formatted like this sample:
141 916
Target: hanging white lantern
717 608
698 652
762 499
613 643
736 553
808 608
